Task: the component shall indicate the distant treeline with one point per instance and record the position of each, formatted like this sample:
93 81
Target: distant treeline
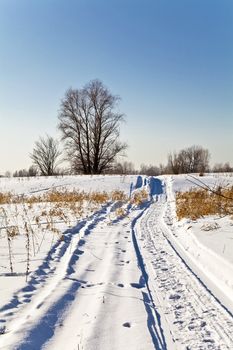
89 123
194 159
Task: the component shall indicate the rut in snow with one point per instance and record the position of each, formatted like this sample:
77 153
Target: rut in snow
196 319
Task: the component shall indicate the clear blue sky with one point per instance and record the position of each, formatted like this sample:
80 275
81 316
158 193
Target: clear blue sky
171 61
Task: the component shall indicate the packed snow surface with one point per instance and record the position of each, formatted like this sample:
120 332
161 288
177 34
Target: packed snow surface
123 275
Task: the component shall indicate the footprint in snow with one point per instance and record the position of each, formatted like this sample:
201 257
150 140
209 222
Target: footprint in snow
127 324
81 242
26 300
39 305
137 285
208 340
196 324
180 322
2 330
174 296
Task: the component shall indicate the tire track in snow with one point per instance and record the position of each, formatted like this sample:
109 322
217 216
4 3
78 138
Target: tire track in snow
154 322
197 320
109 307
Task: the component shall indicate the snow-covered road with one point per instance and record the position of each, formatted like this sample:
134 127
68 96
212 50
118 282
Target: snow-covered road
117 284
193 315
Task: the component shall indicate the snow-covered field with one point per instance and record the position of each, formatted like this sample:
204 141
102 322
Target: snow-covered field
114 275
38 185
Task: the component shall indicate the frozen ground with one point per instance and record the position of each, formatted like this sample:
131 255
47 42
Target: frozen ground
137 281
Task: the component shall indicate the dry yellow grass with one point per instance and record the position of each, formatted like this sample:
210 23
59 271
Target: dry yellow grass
32 216
120 212
64 196
200 203
119 196
139 197
5 197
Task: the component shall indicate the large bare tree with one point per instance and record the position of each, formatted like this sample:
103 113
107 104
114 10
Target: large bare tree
45 155
90 128
193 159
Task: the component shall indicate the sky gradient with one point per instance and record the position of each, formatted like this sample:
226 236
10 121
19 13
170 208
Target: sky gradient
170 61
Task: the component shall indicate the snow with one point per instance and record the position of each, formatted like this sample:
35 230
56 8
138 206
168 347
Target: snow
40 184
208 243
186 182
139 280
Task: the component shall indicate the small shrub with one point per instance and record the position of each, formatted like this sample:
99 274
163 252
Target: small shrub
120 212
139 197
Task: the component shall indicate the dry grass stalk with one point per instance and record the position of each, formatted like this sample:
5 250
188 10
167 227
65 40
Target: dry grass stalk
139 197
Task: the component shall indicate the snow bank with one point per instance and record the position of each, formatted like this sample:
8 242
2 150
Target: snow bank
210 250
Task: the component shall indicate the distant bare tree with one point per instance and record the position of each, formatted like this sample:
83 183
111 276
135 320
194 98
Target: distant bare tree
45 155
7 173
173 164
163 169
222 168
22 173
32 171
150 170
124 168
193 159
90 128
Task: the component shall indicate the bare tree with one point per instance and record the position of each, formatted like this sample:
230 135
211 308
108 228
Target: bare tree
149 170
123 168
21 173
193 159
7 173
32 171
90 128
45 155
222 168
174 166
